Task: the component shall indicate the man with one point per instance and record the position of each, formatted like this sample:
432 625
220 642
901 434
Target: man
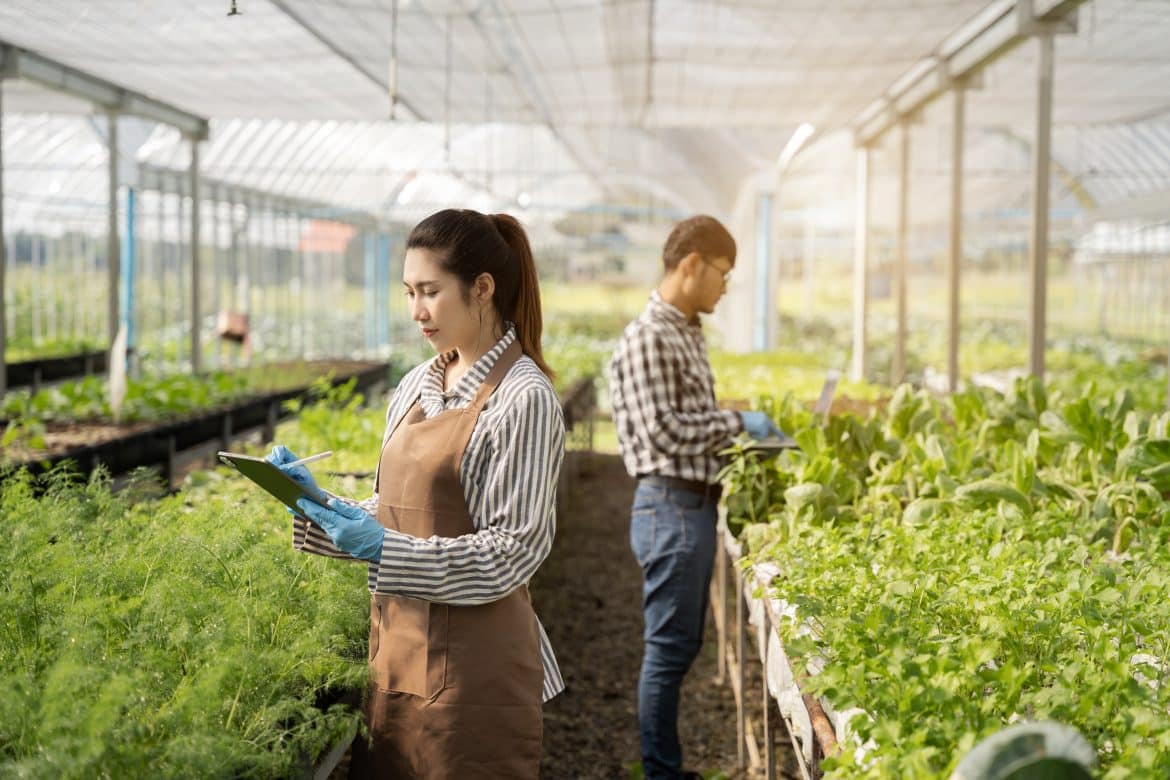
670 432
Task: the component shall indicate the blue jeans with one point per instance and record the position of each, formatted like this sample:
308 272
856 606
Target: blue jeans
672 533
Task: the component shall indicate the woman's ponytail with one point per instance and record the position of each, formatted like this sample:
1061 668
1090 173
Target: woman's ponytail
526 310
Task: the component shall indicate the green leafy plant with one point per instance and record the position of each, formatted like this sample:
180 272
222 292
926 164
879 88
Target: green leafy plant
146 637
970 562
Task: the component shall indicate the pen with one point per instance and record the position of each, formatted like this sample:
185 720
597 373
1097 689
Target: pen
309 459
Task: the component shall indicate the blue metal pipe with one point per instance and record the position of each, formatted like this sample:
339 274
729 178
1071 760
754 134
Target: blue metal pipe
371 289
383 290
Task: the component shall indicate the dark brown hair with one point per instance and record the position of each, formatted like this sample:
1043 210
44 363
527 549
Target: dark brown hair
703 234
471 244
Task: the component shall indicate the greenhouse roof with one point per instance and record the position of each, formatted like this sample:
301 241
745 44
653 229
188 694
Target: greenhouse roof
665 63
674 102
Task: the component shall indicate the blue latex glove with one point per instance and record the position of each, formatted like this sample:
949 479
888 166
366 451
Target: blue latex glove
759 425
281 455
352 529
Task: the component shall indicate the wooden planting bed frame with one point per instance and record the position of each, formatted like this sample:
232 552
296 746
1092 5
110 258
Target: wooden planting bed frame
31 373
780 702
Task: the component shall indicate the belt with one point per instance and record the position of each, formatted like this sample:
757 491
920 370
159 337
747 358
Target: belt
678 483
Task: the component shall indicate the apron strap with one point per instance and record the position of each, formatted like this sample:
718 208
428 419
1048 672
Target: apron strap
501 367
495 376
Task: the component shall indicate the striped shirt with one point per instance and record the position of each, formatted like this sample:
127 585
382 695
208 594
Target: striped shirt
509 476
663 394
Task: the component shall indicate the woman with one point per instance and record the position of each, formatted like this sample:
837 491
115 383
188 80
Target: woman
463 513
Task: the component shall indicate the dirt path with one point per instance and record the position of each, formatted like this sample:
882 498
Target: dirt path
588 595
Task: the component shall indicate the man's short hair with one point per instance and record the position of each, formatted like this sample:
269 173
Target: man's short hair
703 234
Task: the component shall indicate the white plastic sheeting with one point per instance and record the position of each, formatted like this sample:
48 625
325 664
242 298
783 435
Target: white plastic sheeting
624 62
604 80
678 101
664 106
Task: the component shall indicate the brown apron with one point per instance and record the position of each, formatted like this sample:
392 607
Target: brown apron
455 690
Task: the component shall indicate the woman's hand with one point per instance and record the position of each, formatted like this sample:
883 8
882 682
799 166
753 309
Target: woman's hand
281 455
352 529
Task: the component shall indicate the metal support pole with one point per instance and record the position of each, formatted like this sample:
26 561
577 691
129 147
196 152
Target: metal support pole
372 290
162 251
303 270
196 307
3 259
765 304
113 247
808 257
251 283
288 237
898 374
267 272
860 364
718 601
216 261
129 264
740 673
37 304
958 132
182 248
769 720
1038 244
384 335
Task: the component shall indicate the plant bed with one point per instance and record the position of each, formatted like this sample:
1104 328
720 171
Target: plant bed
51 369
968 563
168 638
181 636
122 447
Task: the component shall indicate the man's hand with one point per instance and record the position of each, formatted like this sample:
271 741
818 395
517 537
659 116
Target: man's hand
759 425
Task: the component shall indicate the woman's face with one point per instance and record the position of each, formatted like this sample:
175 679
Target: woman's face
437 302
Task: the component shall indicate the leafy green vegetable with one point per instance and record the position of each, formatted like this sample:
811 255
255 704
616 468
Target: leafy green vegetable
973 561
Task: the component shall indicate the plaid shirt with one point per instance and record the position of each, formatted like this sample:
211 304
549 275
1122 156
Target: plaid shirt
668 423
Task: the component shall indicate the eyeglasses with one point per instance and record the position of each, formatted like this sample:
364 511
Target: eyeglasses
726 274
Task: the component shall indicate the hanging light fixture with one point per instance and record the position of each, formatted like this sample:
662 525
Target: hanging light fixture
234 11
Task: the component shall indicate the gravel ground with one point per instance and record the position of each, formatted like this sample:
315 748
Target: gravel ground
588 596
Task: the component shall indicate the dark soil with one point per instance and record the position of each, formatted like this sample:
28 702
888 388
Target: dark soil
588 596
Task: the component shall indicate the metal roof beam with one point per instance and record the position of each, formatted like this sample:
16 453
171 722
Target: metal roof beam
351 60
179 181
523 75
961 56
1146 205
19 63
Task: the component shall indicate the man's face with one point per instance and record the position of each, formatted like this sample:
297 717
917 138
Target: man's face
712 275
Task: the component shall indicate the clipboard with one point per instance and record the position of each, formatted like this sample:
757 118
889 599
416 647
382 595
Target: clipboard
773 445
272 479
